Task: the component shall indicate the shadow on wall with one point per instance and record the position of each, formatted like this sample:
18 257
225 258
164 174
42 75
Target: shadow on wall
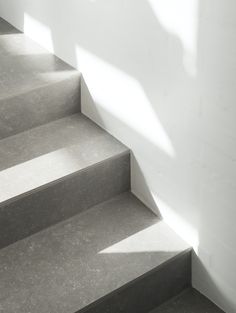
162 79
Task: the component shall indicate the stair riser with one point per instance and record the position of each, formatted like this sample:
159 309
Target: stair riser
56 202
149 291
39 106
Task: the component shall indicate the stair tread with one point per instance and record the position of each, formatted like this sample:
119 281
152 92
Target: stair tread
24 65
188 301
72 264
47 153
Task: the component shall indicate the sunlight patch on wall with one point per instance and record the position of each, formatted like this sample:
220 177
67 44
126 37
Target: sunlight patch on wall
181 19
123 97
37 31
186 231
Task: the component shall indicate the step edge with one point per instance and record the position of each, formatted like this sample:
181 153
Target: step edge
136 280
39 126
59 180
75 74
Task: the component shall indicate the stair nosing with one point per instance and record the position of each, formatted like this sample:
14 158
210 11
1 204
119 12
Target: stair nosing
134 281
44 85
61 179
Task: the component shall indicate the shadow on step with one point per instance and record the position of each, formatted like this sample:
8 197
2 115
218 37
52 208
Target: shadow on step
7 29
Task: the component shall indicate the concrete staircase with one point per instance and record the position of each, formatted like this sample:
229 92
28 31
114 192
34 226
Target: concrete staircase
73 238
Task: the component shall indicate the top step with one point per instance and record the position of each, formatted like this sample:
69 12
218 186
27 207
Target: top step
36 87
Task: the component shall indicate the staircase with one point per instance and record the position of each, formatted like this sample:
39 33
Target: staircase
73 237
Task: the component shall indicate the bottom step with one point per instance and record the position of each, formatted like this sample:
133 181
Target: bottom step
115 257
190 301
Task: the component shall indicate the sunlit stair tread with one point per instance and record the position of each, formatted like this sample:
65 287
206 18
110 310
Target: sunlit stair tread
50 152
70 265
36 87
189 301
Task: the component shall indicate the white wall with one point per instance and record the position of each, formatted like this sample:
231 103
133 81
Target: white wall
162 76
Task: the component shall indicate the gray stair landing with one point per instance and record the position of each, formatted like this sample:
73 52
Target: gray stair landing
190 301
71 265
52 172
35 86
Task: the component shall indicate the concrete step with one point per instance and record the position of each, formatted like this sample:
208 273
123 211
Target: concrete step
189 301
115 257
36 87
54 171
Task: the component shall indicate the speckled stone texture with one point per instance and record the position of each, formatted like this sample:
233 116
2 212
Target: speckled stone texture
55 171
35 86
190 301
53 164
72 236
91 256
44 154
